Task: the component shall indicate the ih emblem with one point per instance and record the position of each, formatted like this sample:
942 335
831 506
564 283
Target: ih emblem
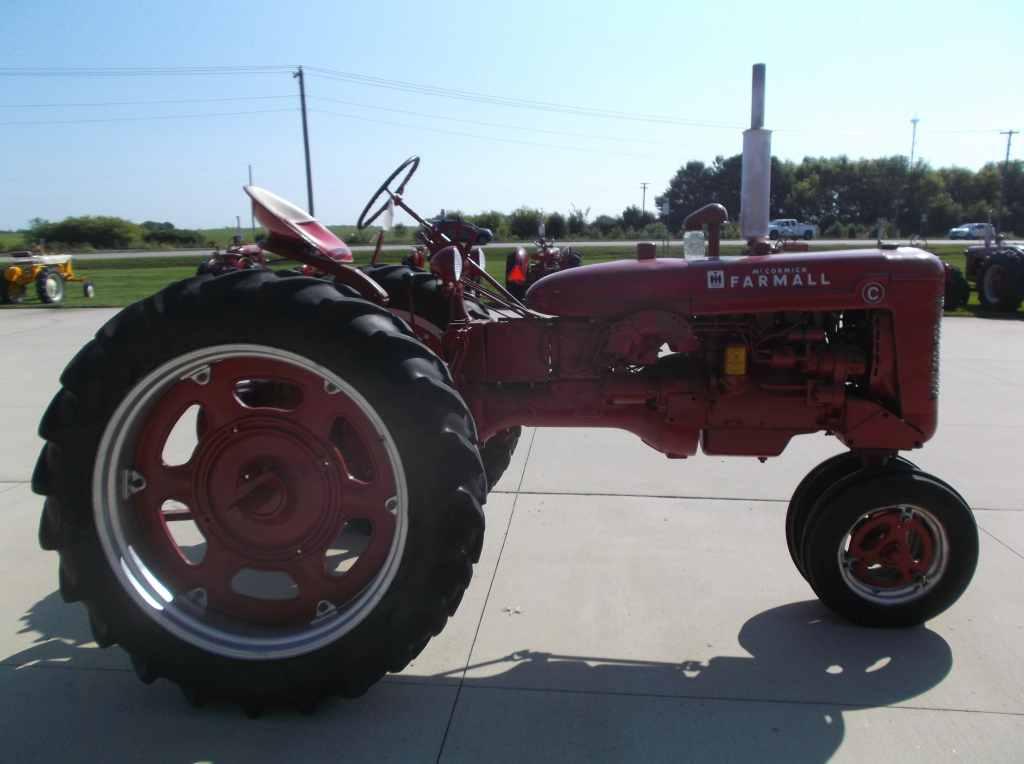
716 279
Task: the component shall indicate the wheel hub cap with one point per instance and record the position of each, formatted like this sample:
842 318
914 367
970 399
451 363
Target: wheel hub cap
894 554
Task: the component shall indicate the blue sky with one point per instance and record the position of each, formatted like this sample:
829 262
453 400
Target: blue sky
843 78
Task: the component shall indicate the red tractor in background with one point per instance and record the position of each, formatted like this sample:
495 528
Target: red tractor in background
523 268
237 257
322 524
997 270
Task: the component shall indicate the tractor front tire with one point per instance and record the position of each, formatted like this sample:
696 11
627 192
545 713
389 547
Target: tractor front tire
813 487
890 547
958 291
50 286
368 412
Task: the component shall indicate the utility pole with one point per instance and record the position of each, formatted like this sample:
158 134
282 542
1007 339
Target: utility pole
1009 138
913 141
252 210
305 137
1006 168
643 198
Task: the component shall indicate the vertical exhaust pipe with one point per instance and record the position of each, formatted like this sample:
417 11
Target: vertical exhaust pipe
756 186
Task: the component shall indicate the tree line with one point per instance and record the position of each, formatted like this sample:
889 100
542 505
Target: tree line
847 198
107 232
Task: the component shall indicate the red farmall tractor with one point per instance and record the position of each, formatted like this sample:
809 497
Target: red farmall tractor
523 268
237 257
269 488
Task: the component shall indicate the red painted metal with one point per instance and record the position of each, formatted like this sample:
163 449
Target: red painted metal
269 485
646 250
891 550
845 342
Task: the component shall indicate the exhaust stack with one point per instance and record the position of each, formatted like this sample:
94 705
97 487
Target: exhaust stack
755 190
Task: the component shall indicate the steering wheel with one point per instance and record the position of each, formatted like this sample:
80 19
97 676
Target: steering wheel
413 164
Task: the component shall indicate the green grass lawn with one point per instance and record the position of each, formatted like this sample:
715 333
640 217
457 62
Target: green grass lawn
122 282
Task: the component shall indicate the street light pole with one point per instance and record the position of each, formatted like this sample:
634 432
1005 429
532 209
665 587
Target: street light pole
305 137
643 197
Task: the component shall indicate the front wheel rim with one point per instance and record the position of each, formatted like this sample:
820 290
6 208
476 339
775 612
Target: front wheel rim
894 555
269 487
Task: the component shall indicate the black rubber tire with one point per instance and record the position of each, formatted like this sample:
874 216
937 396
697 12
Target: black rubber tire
813 486
773 235
88 290
839 508
496 453
808 235
433 306
406 384
205 267
11 294
1012 292
41 281
958 291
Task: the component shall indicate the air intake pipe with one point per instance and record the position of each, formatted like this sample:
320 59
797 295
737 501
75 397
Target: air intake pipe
755 190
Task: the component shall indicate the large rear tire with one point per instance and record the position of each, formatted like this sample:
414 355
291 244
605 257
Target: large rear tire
432 314
50 286
11 292
367 412
1001 282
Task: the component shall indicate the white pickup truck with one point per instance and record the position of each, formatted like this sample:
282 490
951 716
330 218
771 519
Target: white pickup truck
789 228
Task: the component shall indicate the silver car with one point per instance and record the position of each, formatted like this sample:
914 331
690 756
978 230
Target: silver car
970 231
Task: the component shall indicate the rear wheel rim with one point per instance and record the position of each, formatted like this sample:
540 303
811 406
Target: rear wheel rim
270 487
894 555
993 282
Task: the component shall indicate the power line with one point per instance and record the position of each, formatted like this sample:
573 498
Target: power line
501 125
468 95
144 119
79 72
479 137
372 81
139 102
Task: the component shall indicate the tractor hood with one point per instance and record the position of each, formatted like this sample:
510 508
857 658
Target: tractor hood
860 278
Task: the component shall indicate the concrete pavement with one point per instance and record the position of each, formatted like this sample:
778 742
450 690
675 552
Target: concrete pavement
627 607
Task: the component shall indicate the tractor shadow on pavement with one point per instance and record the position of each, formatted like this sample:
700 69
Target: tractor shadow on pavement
786 701
806 668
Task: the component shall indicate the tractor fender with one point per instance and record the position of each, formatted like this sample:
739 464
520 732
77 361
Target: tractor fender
367 288
342 272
